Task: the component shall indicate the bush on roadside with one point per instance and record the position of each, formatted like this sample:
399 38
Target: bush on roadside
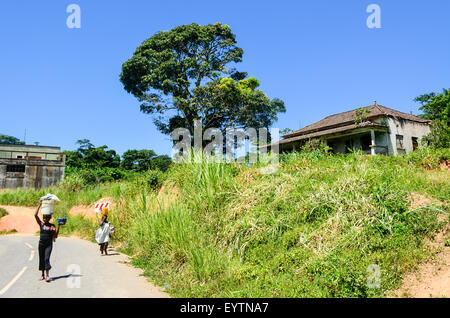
3 212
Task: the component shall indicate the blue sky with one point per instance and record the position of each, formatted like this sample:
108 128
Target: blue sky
62 84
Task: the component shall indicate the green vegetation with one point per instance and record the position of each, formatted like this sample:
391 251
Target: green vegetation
310 229
3 212
437 108
361 115
10 140
189 73
4 232
90 165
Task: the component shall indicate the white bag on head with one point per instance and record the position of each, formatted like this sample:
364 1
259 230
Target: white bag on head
48 204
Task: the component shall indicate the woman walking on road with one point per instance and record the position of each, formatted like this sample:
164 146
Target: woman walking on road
102 234
48 235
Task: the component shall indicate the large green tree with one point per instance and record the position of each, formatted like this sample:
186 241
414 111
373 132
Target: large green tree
189 73
437 108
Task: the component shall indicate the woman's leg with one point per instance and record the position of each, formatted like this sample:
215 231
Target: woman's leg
48 252
41 249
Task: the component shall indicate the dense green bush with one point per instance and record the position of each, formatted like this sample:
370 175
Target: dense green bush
90 176
429 157
89 165
439 136
3 212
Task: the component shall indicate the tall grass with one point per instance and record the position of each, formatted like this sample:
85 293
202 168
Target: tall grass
311 229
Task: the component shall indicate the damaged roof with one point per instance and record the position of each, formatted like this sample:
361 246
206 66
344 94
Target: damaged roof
330 123
329 131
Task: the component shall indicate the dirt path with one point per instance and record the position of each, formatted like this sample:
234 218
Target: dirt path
432 279
19 218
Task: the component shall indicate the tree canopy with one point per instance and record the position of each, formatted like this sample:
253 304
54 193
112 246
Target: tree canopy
437 108
89 156
10 140
188 73
143 160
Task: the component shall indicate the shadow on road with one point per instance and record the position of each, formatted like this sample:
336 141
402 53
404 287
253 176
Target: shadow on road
66 276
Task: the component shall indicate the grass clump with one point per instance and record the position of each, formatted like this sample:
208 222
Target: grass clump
3 212
6 232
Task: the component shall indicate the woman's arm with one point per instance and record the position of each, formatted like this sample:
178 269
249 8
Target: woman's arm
38 220
55 234
103 220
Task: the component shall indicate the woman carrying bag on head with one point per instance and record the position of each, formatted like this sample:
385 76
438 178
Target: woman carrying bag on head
48 235
103 233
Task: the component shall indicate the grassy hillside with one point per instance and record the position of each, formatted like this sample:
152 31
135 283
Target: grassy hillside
310 229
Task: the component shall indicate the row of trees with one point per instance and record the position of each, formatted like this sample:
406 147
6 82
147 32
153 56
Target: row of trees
99 164
91 157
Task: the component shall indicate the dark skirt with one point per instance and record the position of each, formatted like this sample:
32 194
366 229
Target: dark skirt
45 249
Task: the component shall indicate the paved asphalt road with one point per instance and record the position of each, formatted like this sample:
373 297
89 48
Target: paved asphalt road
78 270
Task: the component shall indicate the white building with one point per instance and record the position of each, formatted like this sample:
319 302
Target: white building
374 129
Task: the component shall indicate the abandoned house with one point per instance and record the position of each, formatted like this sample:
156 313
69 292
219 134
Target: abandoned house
373 129
30 166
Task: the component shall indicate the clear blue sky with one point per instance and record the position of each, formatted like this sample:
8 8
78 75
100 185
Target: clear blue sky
318 56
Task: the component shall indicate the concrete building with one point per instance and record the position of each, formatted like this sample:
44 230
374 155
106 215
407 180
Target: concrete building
373 129
30 166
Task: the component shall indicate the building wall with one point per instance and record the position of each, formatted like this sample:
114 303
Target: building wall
38 173
407 129
387 142
24 151
381 140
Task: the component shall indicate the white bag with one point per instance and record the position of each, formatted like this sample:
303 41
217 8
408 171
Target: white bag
102 234
48 204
